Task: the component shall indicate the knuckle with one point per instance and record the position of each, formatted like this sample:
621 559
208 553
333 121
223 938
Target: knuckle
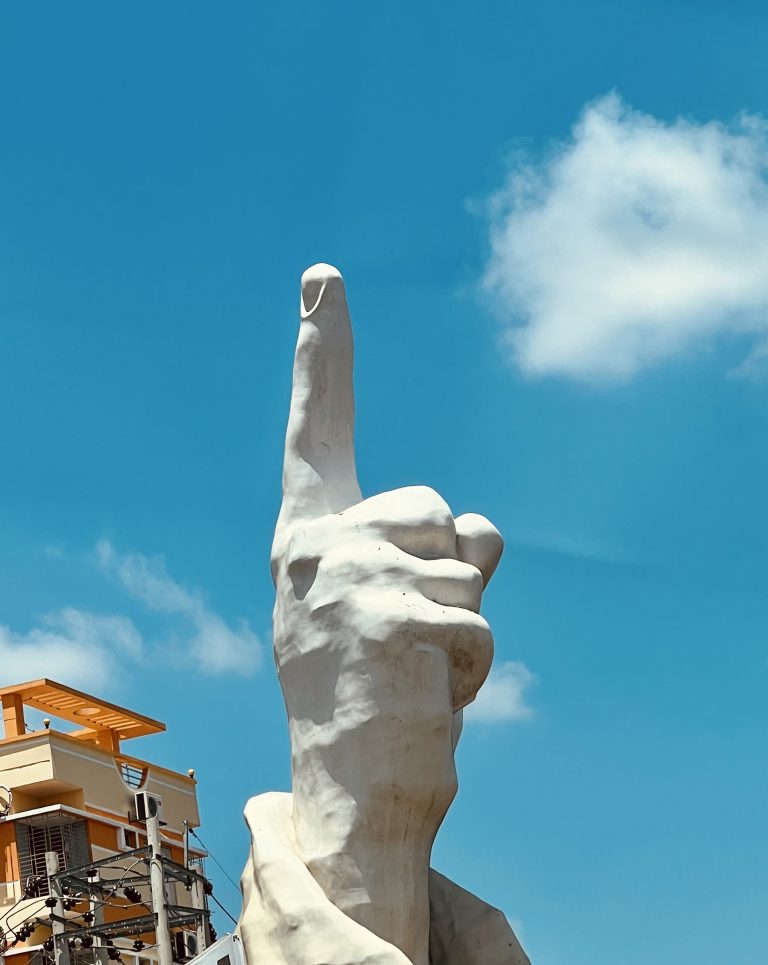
452 583
430 505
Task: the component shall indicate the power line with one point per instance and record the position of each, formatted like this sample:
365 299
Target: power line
221 866
223 871
223 908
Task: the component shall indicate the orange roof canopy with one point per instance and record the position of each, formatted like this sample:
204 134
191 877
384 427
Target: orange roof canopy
80 708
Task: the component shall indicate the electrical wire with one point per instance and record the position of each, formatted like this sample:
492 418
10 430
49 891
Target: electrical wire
223 908
32 914
125 872
34 879
221 866
95 902
7 914
224 872
110 904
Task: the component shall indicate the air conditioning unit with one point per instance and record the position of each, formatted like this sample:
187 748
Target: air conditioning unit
184 945
148 806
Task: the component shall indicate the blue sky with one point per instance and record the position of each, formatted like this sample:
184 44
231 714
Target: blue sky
559 296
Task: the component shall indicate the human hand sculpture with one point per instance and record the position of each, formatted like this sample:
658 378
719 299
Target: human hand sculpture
379 645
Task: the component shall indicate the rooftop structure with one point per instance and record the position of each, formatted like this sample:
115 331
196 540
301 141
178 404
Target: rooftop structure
106 724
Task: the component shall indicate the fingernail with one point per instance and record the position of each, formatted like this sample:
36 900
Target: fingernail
314 281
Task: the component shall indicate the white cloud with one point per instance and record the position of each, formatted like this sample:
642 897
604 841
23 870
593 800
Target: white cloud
502 696
94 650
73 646
208 643
634 242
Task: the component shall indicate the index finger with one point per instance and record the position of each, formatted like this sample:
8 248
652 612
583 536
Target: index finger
319 474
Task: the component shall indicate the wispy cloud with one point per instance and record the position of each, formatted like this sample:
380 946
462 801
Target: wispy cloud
72 645
502 697
206 640
573 545
633 242
95 650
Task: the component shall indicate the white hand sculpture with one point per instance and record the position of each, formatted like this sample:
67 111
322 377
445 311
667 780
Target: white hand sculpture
378 645
288 919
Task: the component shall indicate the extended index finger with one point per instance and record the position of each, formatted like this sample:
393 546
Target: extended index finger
319 474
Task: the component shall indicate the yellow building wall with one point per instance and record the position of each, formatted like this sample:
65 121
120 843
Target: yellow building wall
102 836
25 761
9 872
52 768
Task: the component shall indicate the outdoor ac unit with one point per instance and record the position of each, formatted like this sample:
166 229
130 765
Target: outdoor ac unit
190 943
148 806
184 945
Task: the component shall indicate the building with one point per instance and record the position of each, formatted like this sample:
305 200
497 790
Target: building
73 791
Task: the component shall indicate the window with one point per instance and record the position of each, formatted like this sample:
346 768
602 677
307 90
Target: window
60 832
133 775
127 840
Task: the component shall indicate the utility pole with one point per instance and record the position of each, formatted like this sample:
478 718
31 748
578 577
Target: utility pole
96 908
198 902
157 884
60 944
198 896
